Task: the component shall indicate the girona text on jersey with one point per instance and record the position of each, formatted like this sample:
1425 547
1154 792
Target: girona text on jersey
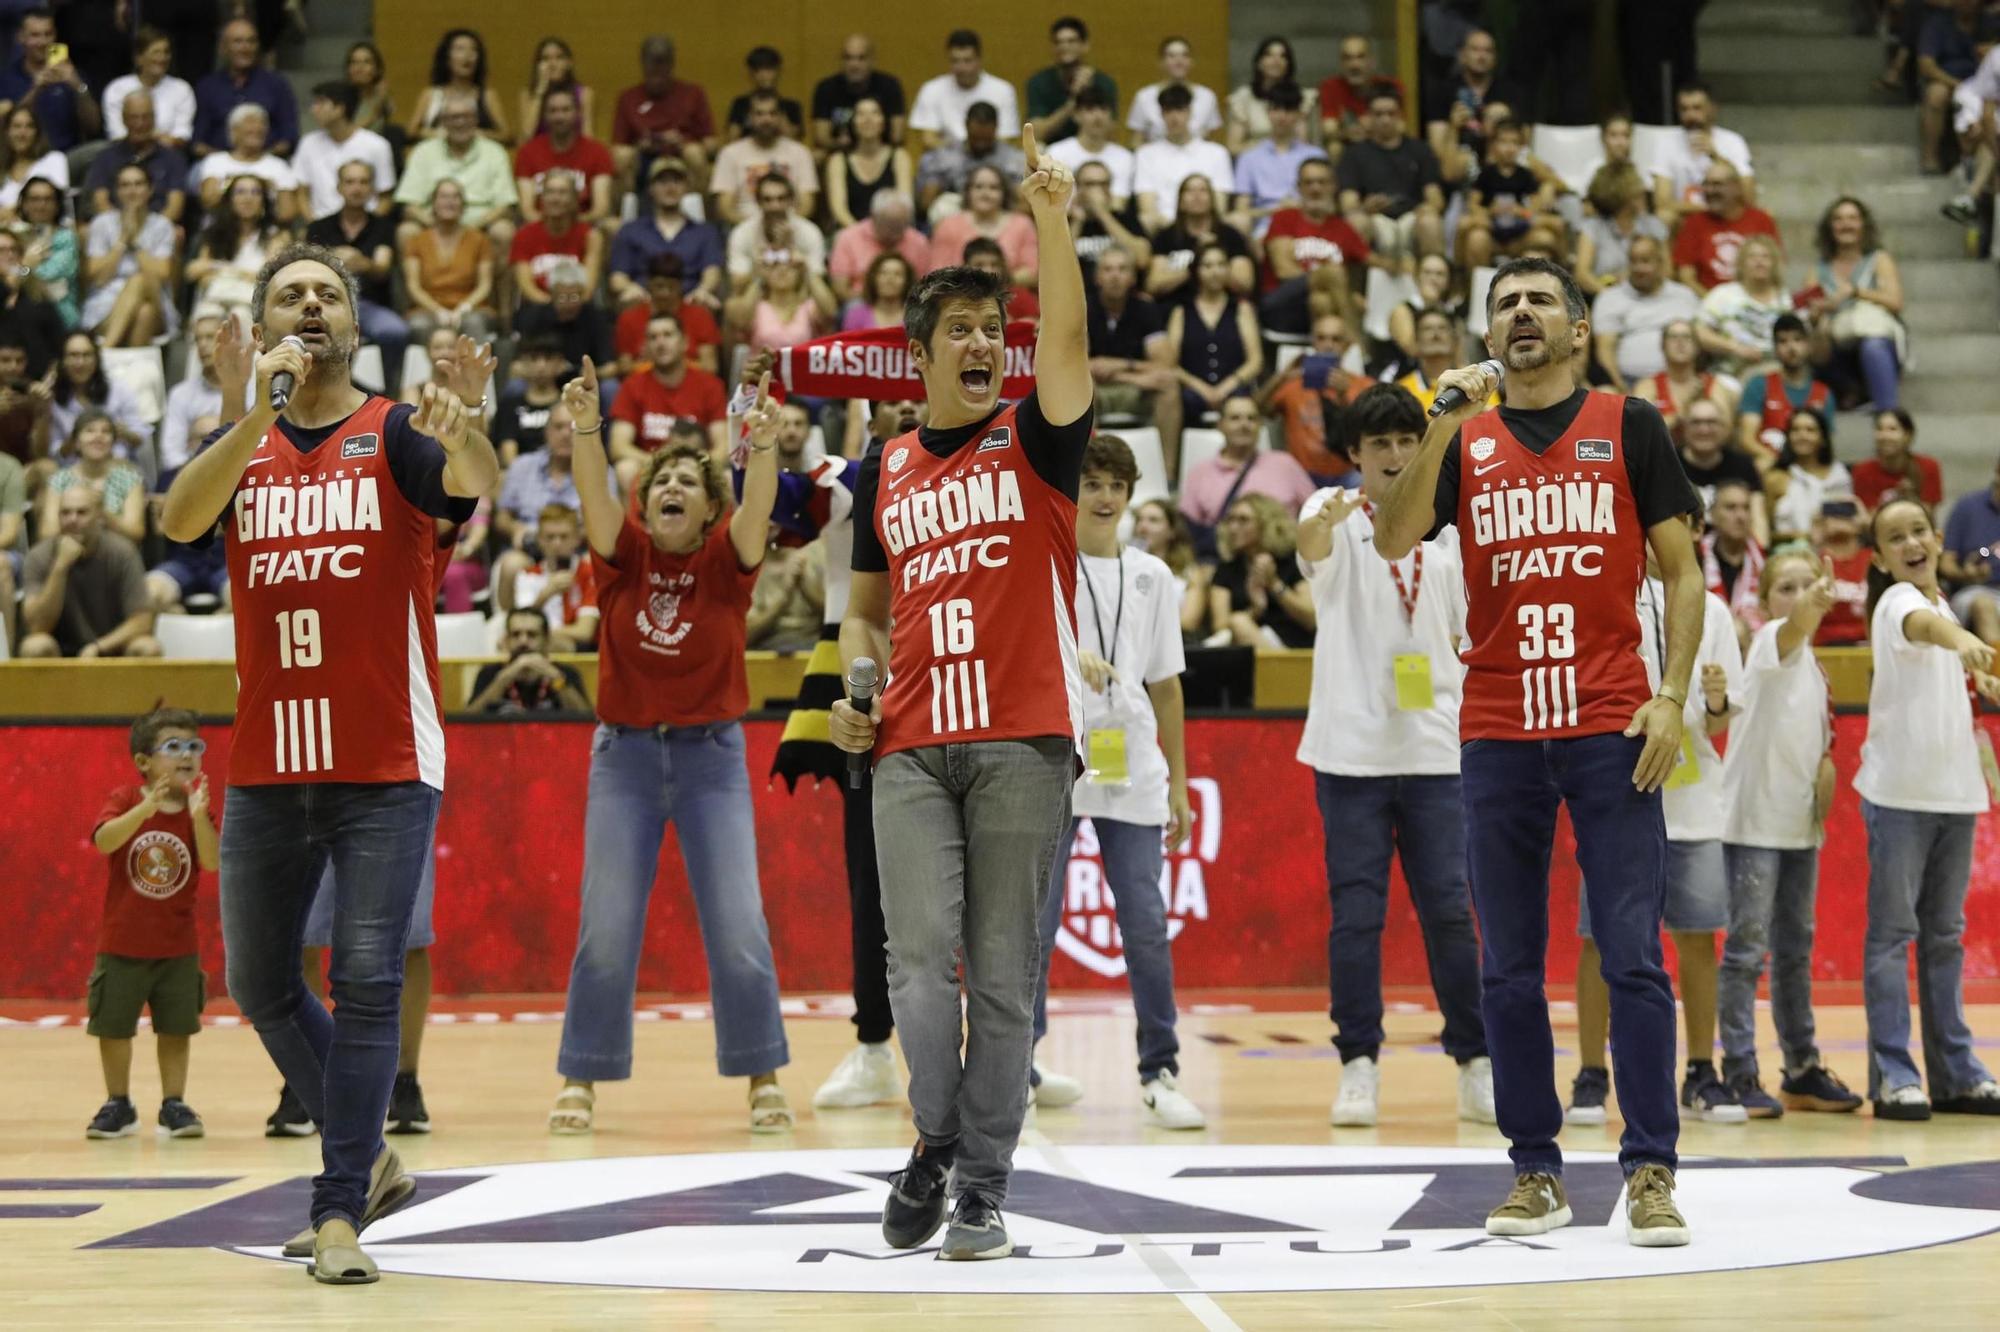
1561 504
983 498
321 504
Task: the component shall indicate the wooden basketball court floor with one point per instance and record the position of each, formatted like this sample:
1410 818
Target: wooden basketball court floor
1265 1078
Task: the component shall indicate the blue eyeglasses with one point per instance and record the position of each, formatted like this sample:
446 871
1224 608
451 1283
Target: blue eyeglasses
178 748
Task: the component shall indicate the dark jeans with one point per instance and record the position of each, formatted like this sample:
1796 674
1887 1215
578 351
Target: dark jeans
276 842
1368 819
1512 789
873 1022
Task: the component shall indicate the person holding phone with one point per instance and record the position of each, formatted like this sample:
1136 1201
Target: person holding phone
44 78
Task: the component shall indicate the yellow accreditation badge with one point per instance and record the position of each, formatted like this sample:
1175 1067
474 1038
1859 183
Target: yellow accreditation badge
1106 755
1688 771
1413 682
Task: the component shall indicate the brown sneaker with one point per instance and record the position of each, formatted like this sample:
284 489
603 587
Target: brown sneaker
1651 1219
388 1189
1536 1206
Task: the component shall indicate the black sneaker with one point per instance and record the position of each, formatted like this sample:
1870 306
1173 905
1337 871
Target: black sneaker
115 1119
1961 210
1586 1096
178 1120
977 1231
290 1119
1816 1088
915 1208
1982 1099
1750 1094
1708 1097
406 1106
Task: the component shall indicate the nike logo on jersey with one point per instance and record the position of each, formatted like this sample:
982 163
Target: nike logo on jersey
262 458
1482 471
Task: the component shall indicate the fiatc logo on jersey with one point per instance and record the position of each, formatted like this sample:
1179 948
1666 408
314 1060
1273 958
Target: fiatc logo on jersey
1112 1220
1087 931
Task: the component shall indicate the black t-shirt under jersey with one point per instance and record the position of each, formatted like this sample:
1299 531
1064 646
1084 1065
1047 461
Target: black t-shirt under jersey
1660 489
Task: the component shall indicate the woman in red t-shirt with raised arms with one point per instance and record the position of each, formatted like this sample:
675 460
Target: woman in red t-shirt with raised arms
673 585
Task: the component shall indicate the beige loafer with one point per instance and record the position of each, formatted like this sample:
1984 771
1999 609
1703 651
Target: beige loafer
389 1188
337 1259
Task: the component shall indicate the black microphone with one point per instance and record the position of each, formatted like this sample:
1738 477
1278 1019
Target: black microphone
862 677
283 382
1451 399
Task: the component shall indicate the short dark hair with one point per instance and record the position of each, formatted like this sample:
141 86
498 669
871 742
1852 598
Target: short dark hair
980 245
1175 97
529 611
146 730
764 57
1788 323
961 39
300 254
983 112
765 96
780 179
341 93
1090 97
1509 125
1693 86
955 283
1383 88
540 344
1069 23
1284 97
1573 303
1113 457
666 264
1382 409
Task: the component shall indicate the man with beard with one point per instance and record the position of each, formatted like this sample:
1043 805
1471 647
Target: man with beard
527 681
1557 495
339 752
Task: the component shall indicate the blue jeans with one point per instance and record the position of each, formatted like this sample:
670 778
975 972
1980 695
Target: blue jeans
1919 866
1880 372
1366 820
965 834
640 780
386 329
276 842
1512 789
1132 854
1771 896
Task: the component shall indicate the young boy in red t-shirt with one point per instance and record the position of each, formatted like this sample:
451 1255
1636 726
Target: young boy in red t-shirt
158 839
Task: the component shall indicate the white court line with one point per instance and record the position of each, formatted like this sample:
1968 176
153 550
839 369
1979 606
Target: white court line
1173 1278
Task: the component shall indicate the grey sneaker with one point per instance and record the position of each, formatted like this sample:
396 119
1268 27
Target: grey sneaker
976 1231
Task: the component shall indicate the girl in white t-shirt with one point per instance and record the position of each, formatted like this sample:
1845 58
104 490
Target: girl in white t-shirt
1926 775
1777 784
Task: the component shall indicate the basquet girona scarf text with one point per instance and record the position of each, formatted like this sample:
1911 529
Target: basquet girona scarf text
875 364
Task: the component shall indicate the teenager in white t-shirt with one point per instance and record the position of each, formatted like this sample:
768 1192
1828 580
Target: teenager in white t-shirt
1382 740
1134 788
1777 785
1697 877
1927 773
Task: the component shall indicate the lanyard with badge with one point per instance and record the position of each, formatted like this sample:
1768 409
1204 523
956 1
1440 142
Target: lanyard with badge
1688 771
1411 670
1105 762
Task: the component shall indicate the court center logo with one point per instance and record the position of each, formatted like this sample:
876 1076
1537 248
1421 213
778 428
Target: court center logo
1110 1220
1087 930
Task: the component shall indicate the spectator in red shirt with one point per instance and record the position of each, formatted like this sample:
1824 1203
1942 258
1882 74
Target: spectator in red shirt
886 228
1343 98
658 395
560 235
157 841
662 116
666 289
1705 249
1897 471
1837 536
987 256
1307 412
561 582
563 148
1313 258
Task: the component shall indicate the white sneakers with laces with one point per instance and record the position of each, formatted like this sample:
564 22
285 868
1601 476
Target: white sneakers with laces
1167 1106
1475 1091
868 1076
1055 1090
1360 1085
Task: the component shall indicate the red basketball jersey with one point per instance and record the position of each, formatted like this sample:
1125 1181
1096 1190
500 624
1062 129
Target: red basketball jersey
1554 552
333 575
982 572
1778 409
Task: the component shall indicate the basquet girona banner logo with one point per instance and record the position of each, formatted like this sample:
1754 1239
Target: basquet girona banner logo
1087 931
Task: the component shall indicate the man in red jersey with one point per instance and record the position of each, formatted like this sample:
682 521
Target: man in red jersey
969 545
338 752
1557 495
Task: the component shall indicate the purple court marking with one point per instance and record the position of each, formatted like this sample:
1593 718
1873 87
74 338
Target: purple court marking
44 1211
262 1218
108 1183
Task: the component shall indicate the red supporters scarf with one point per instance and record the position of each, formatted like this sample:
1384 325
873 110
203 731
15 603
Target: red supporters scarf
1746 602
874 364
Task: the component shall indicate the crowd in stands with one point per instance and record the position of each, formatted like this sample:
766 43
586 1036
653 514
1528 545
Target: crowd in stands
1255 259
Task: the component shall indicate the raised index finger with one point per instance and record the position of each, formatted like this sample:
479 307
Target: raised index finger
1029 149
764 390
589 374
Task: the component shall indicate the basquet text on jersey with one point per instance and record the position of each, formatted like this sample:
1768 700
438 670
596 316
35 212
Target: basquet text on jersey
1554 551
331 571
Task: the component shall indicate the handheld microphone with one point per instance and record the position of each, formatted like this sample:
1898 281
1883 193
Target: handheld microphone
1451 399
862 677
283 382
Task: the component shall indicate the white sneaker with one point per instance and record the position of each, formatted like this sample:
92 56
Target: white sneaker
1475 1091
868 1076
1055 1091
1360 1082
1168 1107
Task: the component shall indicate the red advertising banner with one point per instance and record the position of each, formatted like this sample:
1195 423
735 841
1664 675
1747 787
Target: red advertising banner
1247 896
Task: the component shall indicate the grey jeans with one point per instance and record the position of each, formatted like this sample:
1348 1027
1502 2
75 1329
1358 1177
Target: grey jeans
1770 911
965 835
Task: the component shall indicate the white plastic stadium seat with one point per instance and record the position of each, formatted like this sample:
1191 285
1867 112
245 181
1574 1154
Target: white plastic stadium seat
1475 310
1386 291
462 635
143 371
5 651
367 368
1652 145
196 637
416 364
1198 446
1286 353
1153 482
1571 151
